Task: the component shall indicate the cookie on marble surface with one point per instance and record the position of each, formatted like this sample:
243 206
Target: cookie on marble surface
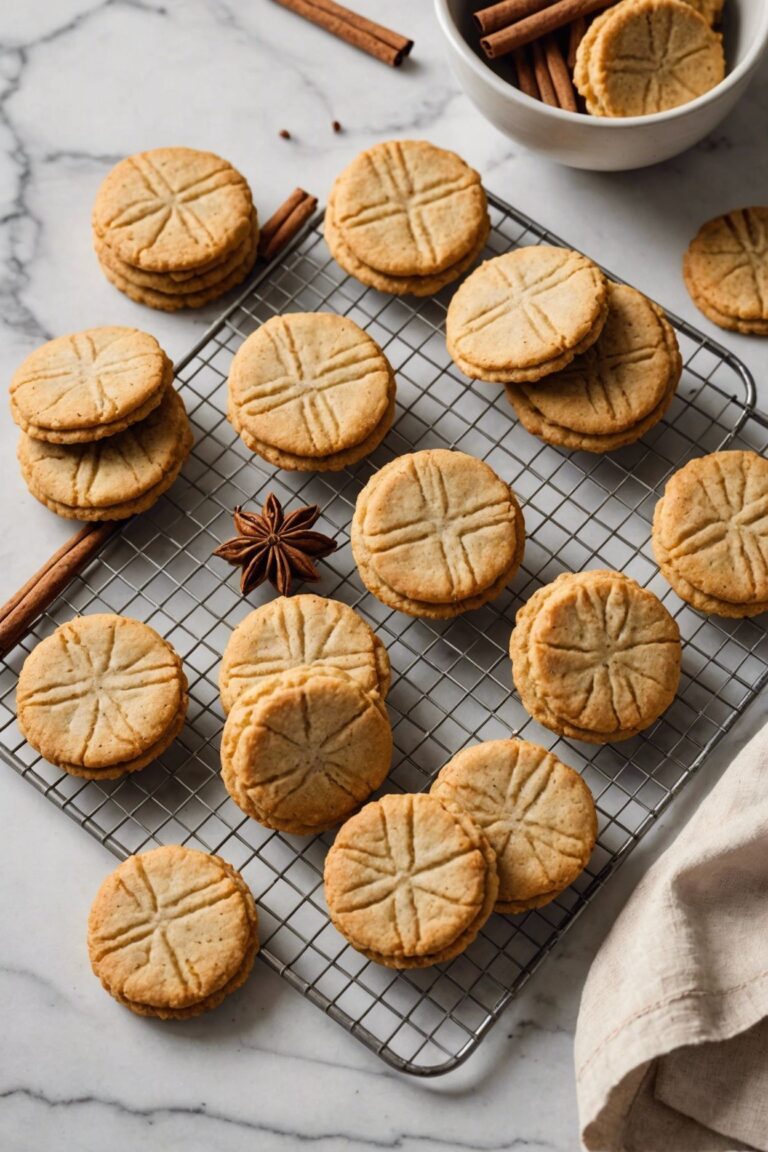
437 533
615 391
521 316
538 815
595 656
710 533
291 631
101 696
172 932
303 749
172 209
410 883
311 387
726 270
88 385
110 479
408 208
428 285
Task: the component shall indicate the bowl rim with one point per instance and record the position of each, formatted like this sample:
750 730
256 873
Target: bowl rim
453 35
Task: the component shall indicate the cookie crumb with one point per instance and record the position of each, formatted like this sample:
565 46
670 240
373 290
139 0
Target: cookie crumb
284 134
337 126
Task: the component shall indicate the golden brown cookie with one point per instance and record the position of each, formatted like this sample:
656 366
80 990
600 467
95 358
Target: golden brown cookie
616 390
113 478
648 56
437 533
311 386
410 883
726 270
303 749
407 208
538 815
710 533
526 314
595 656
89 385
172 932
398 285
101 696
172 209
302 630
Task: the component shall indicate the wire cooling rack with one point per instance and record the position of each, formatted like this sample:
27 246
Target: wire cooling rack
451 679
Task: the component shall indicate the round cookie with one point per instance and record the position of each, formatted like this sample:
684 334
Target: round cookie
302 750
410 883
113 478
407 208
101 696
538 815
726 270
172 932
526 314
172 209
710 533
595 656
616 390
398 285
88 385
437 533
652 55
310 386
302 630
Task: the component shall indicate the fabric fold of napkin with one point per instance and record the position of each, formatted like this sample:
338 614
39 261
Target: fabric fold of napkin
672 1037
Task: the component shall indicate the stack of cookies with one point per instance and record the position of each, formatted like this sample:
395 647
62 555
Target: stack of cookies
175 228
311 392
406 217
104 432
307 737
726 270
102 696
437 533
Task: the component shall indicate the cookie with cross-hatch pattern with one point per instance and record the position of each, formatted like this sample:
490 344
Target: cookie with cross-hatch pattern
408 208
101 696
309 389
303 749
526 314
616 390
172 932
595 656
172 209
437 533
710 533
726 270
88 385
410 883
538 815
110 479
647 56
291 631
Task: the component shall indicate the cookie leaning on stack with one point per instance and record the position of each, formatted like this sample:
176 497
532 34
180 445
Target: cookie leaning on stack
104 431
725 269
175 228
407 217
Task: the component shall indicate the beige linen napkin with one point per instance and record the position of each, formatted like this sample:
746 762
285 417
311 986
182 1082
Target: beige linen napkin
672 1036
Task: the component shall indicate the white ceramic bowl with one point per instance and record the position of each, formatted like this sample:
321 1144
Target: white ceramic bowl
597 142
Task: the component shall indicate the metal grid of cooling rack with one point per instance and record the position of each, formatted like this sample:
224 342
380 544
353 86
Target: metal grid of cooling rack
451 679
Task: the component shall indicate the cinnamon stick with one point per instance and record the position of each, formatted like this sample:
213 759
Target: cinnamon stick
375 39
286 222
532 27
543 79
526 79
505 13
559 74
39 592
576 33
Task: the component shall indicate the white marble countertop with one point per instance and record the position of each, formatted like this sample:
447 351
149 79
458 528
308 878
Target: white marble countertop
82 83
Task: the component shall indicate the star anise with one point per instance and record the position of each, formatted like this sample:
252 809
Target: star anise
275 547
